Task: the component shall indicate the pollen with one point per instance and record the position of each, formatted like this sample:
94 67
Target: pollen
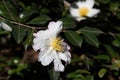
57 44
83 11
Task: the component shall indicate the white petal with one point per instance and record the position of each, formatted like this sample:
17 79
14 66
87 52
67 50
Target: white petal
93 12
55 27
68 55
68 47
46 56
87 3
43 34
58 66
90 3
74 12
81 4
80 18
62 56
39 43
6 27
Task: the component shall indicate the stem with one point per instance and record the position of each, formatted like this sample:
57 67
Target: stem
24 25
27 26
53 74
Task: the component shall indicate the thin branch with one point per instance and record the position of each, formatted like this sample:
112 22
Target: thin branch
27 26
24 25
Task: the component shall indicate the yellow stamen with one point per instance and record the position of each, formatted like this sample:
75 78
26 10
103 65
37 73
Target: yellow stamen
83 11
57 44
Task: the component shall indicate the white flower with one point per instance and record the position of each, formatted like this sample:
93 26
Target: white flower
5 26
52 47
85 9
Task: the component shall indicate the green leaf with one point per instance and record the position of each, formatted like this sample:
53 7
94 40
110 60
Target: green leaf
75 76
8 10
91 39
89 77
74 38
13 11
102 72
3 10
68 23
116 42
102 57
114 6
82 72
26 14
19 33
28 40
111 51
90 30
42 19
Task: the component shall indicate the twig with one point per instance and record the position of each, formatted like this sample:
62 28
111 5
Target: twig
27 26
24 25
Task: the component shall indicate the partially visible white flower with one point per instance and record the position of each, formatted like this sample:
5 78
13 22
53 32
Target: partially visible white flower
21 15
52 47
85 9
5 26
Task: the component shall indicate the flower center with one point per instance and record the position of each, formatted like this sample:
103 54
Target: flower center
83 11
57 44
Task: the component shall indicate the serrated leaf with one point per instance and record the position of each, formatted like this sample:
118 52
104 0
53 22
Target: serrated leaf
74 38
42 19
102 72
91 39
90 30
68 23
19 33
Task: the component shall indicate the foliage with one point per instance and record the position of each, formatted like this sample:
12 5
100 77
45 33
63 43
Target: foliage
94 42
